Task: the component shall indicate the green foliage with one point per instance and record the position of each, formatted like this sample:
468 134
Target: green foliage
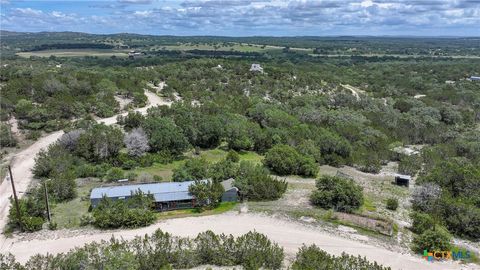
392 204
458 197
32 212
284 160
130 213
409 165
232 156
338 193
437 238
114 174
421 222
164 135
313 258
62 187
206 193
99 143
131 121
6 137
56 160
255 183
223 170
161 250
192 169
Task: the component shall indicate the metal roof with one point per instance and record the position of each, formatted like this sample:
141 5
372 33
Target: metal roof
404 176
162 192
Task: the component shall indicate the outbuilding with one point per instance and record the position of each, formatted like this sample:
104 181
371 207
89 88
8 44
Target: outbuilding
402 180
231 192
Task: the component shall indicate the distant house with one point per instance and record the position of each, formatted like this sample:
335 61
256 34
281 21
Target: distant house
402 180
474 78
256 67
135 54
167 196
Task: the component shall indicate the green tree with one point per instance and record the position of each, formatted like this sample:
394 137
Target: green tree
192 169
255 183
100 142
164 135
338 193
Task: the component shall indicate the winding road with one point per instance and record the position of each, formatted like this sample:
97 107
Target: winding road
23 162
288 234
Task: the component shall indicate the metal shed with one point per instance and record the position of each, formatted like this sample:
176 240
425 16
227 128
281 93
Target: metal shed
402 180
231 192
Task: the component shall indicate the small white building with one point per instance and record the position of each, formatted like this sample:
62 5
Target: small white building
256 67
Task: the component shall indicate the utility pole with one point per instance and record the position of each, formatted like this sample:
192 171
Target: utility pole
19 215
46 200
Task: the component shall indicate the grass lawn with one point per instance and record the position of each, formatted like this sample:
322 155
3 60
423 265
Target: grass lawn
68 214
74 53
222 208
212 155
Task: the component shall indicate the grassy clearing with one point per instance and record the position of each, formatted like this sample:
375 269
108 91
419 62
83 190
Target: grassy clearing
74 53
163 170
212 155
218 47
68 214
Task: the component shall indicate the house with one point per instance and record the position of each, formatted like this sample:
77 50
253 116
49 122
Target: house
474 78
402 180
167 196
135 54
256 67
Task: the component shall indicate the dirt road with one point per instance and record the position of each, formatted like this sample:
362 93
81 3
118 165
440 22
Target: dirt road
23 162
290 235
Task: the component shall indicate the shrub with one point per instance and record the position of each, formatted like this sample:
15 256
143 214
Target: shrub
32 224
285 160
313 258
338 193
99 143
392 204
421 222
162 251
256 251
52 225
437 238
207 193
164 135
130 213
222 170
192 169
114 174
62 187
255 183
232 156
6 137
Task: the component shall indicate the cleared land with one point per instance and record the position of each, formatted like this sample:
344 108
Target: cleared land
74 53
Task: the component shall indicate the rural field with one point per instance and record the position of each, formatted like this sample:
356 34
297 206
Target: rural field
74 53
240 135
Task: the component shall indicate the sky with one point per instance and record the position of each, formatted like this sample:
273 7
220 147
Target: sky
247 17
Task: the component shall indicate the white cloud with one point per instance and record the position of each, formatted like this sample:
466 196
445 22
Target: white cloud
258 17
